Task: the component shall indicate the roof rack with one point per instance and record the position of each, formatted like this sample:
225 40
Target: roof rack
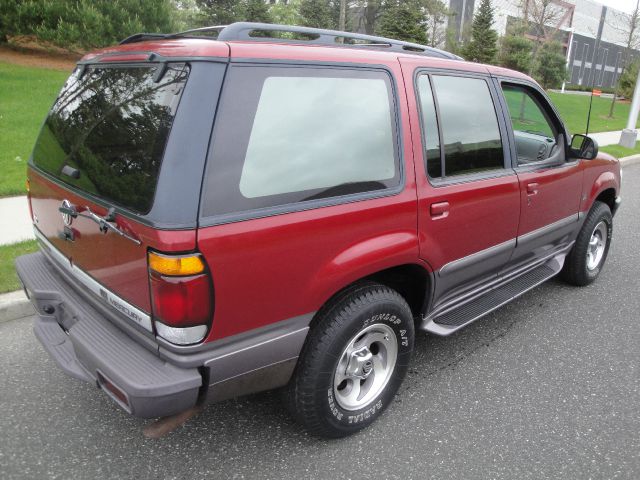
244 31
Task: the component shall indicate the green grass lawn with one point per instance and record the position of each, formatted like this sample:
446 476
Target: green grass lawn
26 94
620 152
8 253
574 108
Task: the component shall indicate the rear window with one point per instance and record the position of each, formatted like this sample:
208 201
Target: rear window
107 131
286 135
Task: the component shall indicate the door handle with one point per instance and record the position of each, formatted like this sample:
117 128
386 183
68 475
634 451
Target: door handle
439 210
532 188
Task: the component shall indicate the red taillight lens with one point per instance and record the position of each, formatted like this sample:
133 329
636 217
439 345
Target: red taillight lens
181 296
181 301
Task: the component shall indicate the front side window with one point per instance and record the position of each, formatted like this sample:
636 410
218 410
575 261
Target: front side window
286 135
534 132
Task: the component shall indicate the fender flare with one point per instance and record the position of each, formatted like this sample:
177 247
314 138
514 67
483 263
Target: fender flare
364 259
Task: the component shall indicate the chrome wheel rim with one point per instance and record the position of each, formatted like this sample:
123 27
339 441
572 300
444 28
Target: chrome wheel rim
365 366
597 244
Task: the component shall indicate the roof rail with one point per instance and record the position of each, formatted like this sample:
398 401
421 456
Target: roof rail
316 36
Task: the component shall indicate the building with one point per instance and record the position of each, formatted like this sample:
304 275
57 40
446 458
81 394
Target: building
596 34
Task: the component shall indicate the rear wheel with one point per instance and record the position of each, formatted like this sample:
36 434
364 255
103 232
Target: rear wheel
354 361
587 257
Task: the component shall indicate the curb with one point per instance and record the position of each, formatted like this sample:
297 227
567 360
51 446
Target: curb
630 160
14 305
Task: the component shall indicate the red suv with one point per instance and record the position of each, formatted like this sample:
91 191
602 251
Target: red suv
283 207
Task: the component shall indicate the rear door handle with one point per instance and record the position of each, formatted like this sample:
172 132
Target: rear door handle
532 188
439 210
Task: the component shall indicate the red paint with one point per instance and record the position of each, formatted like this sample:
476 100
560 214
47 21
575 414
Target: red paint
600 174
481 214
167 48
555 196
270 269
136 57
115 262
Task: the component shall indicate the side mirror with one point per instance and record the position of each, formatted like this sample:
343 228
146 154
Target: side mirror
583 147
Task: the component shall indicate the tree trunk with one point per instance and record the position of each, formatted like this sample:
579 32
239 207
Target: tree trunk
343 15
370 14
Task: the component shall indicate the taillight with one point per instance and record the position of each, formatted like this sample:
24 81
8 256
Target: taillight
181 297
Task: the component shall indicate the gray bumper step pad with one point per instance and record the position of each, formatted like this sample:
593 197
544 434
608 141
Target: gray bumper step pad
92 344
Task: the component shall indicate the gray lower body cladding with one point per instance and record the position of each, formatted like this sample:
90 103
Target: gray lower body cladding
155 379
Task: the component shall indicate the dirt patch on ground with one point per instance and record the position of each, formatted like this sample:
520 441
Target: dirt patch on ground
38 58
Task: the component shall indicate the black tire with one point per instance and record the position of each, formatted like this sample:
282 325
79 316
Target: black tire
576 270
311 396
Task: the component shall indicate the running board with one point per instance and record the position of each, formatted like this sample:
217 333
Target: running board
453 319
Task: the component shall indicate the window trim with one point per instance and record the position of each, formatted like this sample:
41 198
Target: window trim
502 128
550 110
292 207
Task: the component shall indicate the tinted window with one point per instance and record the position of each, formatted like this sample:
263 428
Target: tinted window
286 135
526 115
110 127
431 138
471 136
532 128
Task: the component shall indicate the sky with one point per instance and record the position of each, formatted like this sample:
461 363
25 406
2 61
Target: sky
624 5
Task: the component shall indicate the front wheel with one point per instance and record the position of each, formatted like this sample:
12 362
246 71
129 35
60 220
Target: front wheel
586 259
354 361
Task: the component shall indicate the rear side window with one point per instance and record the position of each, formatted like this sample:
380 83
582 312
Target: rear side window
107 131
470 138
429 127
286 135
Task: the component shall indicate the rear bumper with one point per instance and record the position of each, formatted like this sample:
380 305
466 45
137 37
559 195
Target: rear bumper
88 347
157 379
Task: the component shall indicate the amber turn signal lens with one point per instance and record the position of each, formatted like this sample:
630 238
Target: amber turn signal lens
28 185
176 266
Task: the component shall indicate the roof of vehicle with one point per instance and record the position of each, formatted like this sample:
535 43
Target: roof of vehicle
236 42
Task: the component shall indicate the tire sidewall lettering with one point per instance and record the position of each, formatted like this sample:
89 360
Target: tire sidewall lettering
371 411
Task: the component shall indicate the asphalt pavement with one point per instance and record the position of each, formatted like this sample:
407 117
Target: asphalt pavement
546 387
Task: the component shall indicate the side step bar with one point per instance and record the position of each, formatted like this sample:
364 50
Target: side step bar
451 320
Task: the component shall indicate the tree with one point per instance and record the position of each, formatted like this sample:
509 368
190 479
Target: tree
436 13
316 13
84 24
186 15
256 11
629 25
482 47
515 52
286 13
541 14
403 20
220 12
224 12
372 11
551 68
627 81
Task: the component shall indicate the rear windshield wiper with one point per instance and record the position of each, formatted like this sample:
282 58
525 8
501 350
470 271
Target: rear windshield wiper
104 223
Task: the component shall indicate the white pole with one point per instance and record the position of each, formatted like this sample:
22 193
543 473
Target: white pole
630 134
568 56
